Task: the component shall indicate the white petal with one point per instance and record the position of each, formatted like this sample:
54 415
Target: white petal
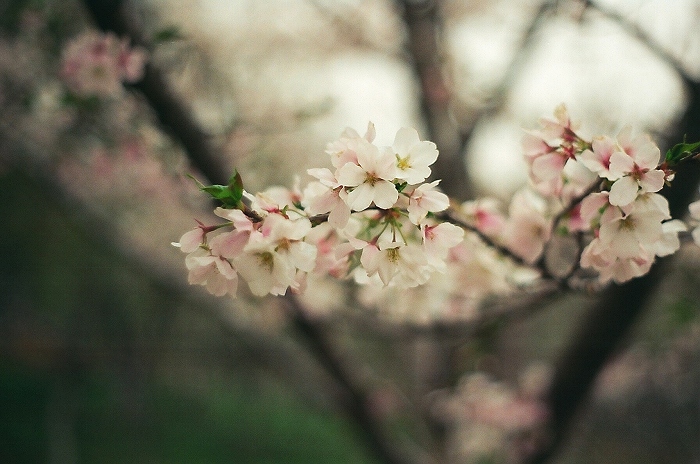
361 197
385 194
623 191
405 138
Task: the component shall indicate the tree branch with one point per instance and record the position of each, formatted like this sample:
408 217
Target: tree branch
607 324
422 27
173 113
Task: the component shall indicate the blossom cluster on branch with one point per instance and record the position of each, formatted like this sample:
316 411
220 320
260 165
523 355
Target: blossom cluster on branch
95 64
376 219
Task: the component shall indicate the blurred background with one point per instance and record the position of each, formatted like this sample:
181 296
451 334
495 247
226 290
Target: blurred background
107 355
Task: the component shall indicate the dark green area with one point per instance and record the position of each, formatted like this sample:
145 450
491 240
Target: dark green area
100 365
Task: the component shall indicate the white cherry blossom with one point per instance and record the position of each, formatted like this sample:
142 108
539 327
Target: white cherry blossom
371 179
634 168
424 199
413 156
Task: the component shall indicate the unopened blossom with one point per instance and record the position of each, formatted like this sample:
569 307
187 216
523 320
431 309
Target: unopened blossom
634 168
371 179
413 156
426 199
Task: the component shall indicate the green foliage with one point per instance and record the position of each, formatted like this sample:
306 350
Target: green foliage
229 195
681 152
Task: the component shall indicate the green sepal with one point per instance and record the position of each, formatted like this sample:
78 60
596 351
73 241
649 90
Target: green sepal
229 195
681 152
400 186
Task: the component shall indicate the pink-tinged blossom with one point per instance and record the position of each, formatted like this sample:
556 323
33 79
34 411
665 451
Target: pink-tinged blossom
229 244
413 156
600 257
424 199
598 158
575 179
344 150
634 169
213 272
527 228
592 207
96 64
276 199
371 179
330 259
549 149
485 214
627 235
438 240
562 129
191 240
326 196
237 217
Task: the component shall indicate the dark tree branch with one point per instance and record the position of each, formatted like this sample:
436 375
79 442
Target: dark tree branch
173 113
422 28
607 324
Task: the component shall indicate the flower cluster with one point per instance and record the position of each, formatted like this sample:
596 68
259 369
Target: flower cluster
591 206
96 64
490 421
607 188
371 218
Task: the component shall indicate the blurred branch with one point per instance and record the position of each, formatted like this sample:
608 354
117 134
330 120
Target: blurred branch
421 18
641 35
172 112
606 325
115 15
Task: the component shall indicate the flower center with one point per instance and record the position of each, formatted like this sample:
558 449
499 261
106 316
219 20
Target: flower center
371 179
402 163
392 254
266 260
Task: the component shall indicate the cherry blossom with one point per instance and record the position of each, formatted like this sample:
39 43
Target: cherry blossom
214 272
634 168
424 199
95 64
374 219
413 156
371 179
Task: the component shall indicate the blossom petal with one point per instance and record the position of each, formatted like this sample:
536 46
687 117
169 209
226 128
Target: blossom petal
623 191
